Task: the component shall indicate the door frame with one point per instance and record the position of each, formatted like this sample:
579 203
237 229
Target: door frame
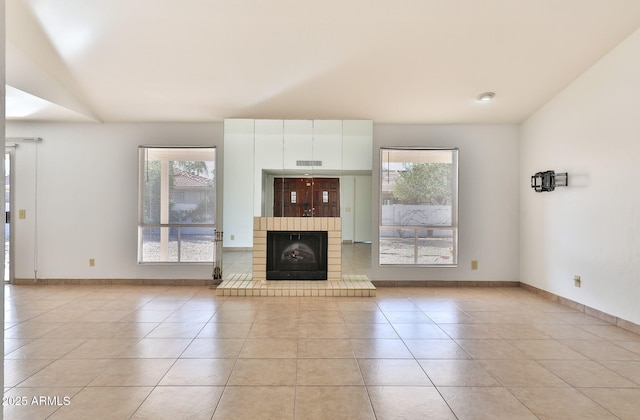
10 154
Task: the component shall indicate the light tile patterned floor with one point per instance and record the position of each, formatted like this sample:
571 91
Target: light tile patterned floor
156 352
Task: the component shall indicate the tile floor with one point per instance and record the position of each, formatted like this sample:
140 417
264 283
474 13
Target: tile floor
156 352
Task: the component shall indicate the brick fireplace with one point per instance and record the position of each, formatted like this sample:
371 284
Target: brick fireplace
331 225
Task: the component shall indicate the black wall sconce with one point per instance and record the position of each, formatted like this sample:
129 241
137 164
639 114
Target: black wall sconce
549 180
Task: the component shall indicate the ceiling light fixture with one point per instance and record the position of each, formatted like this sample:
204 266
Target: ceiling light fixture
486 97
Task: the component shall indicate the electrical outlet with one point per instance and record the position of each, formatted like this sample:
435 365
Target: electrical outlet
474 264
576 281
92 262
233 237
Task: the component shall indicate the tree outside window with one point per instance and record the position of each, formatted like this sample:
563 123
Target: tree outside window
419 207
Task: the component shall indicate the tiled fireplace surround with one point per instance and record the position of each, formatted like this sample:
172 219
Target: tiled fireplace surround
331 225
336 284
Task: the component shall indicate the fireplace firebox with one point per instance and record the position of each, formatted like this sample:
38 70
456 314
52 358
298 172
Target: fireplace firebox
296 255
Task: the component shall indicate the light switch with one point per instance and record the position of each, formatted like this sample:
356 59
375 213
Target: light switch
22 214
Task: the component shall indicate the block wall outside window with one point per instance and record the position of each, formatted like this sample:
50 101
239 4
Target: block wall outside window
419 207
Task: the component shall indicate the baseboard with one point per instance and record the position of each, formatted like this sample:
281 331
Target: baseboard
611 319
116 282
443 283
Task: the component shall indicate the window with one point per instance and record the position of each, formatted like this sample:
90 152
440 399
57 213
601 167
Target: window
177 204
419 200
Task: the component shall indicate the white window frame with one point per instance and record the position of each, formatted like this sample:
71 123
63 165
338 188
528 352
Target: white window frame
416 228
164 225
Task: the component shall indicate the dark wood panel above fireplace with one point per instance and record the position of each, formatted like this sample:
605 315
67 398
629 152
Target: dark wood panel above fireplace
306 197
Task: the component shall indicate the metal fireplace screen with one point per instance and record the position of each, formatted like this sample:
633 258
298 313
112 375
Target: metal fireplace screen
296 255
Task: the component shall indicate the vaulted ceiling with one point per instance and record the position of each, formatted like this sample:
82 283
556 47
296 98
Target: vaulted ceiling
392 61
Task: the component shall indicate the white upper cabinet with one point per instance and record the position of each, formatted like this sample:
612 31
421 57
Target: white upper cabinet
357 145
313 146
298 144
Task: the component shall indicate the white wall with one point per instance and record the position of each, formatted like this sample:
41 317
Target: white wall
237 197
356 209
591 228
88 196
488 199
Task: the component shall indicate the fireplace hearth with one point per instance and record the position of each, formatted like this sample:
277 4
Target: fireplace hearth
296 255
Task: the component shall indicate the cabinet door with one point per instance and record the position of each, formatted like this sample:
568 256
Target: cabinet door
286 197
326 197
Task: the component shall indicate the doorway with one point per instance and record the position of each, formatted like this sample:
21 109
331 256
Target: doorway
306 197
